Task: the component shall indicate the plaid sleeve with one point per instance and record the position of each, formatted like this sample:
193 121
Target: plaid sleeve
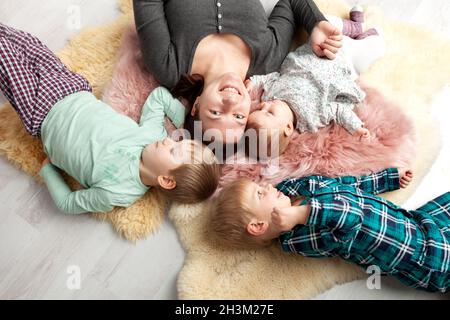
341 217
376 183
304 186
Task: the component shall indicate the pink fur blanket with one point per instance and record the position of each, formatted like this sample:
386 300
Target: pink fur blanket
331 151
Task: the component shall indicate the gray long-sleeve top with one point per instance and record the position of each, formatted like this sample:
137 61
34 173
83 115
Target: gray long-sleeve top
170 30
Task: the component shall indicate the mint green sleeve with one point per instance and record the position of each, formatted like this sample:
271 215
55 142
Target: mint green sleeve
161 103
81 201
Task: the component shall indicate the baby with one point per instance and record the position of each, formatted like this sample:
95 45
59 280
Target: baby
310 92
342 217
115 159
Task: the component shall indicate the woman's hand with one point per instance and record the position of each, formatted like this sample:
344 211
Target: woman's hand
326 40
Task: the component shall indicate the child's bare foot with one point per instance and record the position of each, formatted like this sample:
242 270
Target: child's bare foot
406 176
363 133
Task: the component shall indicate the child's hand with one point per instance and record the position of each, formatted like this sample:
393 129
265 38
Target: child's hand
45 162
363 133
326 40
406 176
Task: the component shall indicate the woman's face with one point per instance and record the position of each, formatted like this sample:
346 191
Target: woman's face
224 105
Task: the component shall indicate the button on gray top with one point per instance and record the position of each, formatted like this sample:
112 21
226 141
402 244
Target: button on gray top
219 4
219 16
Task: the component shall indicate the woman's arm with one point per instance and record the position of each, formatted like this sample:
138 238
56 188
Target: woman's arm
290 15
157 48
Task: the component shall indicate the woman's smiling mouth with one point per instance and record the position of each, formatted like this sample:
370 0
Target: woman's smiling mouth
230 89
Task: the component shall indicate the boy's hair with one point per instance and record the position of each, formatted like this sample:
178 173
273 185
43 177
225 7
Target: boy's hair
196 181
266 137
231 215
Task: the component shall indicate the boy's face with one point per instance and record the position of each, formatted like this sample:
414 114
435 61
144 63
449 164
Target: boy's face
263 198
274 114
166 155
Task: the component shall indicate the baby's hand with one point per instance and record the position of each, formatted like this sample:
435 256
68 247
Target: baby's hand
406 175
363 133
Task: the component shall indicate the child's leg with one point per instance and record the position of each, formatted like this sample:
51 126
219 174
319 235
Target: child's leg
348 27
32 78
362 53
357 14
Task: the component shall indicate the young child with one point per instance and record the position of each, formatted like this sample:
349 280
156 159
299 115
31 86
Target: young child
115 159
309 92
342 217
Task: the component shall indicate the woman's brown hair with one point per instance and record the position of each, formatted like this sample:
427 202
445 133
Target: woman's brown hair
189 87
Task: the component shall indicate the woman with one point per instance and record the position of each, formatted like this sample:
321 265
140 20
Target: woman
205 49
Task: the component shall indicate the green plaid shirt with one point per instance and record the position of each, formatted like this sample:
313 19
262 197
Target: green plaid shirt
349 221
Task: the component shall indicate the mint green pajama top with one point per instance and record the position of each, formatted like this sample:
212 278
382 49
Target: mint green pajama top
101 149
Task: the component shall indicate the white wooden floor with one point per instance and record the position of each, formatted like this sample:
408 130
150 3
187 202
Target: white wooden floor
42 250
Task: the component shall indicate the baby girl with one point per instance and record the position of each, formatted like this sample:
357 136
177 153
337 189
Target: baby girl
308 92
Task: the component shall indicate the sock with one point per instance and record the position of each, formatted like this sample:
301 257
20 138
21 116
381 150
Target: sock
351 28
357 14
370 32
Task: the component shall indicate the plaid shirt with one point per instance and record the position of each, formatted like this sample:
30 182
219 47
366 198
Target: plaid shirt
349 221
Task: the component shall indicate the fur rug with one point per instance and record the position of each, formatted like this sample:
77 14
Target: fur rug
413 70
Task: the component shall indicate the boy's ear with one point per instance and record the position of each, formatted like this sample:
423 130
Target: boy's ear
194 107
289 129
167 182
257 228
